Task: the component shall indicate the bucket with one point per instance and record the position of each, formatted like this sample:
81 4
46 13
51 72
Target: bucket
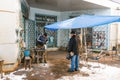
26 53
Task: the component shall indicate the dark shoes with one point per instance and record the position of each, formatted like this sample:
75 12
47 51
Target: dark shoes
69 70
76 69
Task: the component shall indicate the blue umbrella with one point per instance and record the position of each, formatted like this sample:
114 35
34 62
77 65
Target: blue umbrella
83 21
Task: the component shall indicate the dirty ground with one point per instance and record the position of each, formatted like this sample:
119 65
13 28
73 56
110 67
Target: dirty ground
56 68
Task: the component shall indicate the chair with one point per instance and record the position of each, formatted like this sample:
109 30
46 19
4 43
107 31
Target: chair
40 55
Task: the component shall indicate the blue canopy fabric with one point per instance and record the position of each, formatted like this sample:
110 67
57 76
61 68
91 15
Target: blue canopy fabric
83 21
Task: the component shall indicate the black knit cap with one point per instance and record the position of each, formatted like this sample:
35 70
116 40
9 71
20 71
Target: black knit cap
72 32
45 34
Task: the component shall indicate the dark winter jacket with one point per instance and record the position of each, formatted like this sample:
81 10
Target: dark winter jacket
42 39
72 45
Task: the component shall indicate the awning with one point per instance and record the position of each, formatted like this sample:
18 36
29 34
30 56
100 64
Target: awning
83 21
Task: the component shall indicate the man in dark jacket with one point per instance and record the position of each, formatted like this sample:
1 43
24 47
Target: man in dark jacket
73 50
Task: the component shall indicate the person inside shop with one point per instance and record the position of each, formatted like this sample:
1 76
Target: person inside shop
74 52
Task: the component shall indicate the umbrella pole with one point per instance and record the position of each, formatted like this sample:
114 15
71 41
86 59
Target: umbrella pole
85 45
81 38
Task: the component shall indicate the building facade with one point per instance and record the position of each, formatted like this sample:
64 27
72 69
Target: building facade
22 22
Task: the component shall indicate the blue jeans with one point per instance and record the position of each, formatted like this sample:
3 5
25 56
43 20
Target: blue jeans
74 62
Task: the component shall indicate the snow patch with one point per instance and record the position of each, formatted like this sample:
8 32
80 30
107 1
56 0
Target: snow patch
103 72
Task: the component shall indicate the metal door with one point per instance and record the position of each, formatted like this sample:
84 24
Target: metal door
30 34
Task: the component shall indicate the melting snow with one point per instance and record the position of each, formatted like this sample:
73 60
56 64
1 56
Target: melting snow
103 72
